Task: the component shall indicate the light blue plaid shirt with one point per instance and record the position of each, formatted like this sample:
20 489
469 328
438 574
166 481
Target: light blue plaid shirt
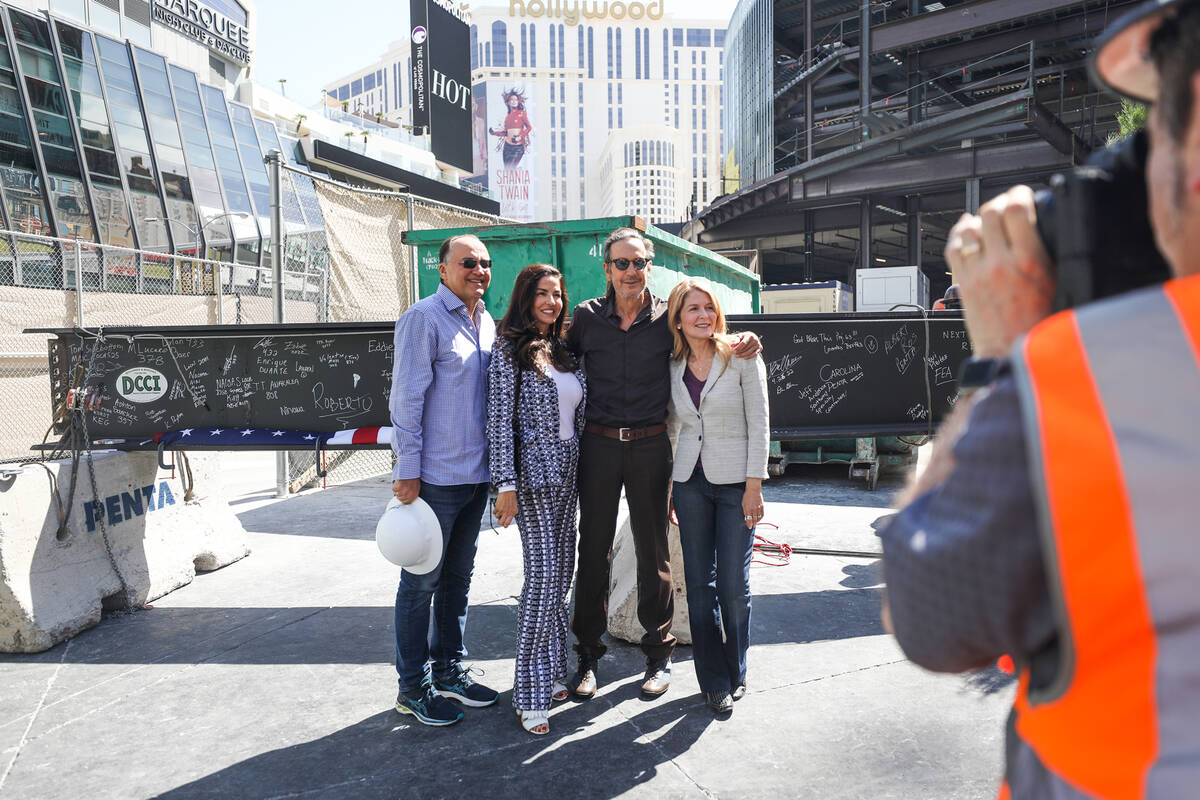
439 391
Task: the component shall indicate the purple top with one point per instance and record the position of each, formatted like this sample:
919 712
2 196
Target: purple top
694 386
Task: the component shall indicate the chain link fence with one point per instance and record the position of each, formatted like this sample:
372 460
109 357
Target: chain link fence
371 280
49 282
367 275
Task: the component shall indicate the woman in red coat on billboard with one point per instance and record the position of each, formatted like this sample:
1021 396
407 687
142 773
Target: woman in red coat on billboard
516 129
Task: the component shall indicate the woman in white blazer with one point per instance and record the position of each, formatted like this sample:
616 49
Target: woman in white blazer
718 423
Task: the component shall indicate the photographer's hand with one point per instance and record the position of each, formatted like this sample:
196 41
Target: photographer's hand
1002 271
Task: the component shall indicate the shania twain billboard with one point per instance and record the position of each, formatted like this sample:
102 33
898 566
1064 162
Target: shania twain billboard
512 155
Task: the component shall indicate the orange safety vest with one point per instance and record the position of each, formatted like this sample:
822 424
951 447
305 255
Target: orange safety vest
1110 396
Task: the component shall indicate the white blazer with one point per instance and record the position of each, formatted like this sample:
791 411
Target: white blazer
729 429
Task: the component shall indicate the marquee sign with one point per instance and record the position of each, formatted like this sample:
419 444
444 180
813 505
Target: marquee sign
211 28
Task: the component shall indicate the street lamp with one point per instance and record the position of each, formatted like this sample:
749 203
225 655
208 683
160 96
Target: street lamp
282 90
200 234
199 237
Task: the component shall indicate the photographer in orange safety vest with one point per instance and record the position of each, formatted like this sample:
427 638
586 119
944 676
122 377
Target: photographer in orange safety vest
1057 519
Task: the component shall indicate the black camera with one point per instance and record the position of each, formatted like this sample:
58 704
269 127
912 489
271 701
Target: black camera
1095 224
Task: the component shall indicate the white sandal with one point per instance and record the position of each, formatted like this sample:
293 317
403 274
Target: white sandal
559 692
531 720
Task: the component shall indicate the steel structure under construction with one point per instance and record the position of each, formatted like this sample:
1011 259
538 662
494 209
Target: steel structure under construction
860 130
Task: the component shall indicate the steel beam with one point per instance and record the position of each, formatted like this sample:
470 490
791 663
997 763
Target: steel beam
864 67
791 94
808 85
809 243
938 177
971 195
1075 26
912 208
951 125
959 20
940 169
1058 135
866 251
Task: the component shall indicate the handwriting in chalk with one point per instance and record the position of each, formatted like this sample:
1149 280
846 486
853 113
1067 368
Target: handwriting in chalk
340 407
781 368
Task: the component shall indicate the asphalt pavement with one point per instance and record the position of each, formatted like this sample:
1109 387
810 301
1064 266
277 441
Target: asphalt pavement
273 678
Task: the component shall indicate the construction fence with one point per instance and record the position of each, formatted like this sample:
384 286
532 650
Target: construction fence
365 275
372 278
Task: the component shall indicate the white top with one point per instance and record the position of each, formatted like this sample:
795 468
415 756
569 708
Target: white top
570 394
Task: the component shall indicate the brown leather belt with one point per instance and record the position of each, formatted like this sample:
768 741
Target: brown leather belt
625 434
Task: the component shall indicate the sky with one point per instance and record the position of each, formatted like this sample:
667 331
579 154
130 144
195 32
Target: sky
310 43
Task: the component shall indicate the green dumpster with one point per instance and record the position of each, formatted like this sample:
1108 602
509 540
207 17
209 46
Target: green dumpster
576 248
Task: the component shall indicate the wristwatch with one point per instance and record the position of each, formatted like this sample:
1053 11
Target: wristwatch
976 373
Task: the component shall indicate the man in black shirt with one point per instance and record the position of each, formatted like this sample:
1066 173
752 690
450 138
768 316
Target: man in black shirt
625 343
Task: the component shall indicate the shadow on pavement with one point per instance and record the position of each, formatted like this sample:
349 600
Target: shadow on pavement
862 576
485 755
815 616
297 635
329 515
363 634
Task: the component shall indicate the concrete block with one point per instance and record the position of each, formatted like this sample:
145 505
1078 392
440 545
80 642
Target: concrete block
54 584
623 620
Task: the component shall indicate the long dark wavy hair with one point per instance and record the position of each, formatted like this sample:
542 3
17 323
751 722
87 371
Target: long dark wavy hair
520 327
514 92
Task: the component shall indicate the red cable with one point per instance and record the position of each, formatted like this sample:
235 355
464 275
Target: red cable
781 551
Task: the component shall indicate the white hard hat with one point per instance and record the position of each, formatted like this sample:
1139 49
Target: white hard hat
409 536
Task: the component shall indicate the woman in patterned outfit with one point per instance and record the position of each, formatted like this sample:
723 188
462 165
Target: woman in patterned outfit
535 415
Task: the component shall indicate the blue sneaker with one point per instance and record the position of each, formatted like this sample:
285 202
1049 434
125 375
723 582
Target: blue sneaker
428 707
463 688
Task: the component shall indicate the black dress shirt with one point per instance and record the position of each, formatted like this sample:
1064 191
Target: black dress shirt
629 382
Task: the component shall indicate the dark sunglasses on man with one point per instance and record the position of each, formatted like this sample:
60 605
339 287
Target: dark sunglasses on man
624 263
472 263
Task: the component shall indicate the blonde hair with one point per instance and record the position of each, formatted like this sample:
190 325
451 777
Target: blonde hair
721 340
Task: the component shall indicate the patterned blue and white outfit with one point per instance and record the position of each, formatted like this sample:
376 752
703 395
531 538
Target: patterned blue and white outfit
549 420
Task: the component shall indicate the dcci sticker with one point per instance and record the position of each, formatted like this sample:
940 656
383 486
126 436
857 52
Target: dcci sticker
141 384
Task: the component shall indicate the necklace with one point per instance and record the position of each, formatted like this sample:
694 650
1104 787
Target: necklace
701 363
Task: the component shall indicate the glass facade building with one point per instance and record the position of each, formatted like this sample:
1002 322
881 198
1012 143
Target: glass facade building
103 140
750 89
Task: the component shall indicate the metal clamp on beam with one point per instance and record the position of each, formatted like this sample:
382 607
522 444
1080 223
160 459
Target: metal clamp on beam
161 452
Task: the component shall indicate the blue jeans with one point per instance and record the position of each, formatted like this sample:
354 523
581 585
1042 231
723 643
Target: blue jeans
717 547
420 637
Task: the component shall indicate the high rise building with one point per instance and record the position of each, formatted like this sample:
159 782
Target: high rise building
132 124
622 107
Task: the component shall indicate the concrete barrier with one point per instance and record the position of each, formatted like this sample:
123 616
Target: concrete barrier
54 584
623 620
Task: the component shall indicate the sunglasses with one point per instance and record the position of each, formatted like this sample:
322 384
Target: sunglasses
472 263
625 263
